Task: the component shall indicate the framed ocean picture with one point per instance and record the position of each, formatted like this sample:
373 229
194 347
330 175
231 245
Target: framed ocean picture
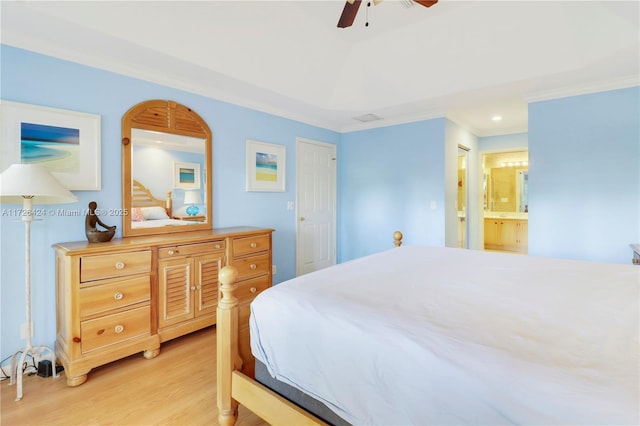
186 175
265 166
67 143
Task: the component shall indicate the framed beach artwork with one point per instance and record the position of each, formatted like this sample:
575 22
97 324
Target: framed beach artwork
67 143
265 166
186 175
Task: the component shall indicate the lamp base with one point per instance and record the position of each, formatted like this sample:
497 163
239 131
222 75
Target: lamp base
192 210
29 350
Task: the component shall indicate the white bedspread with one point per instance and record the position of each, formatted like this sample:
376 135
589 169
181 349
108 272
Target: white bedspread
423 335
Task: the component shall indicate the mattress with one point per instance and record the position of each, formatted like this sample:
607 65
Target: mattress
298 397
426 335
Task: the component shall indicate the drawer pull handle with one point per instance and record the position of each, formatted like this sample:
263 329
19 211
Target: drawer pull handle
171 252
119 328
253 289
193 288
118 296
253 266
254 245
217 246
119 265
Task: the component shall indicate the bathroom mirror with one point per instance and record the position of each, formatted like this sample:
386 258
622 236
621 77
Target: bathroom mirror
166 163
506 181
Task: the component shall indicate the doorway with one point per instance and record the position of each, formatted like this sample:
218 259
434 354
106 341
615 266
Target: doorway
316 205
462 199
506 201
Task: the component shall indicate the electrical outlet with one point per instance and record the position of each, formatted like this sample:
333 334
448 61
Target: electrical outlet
273 269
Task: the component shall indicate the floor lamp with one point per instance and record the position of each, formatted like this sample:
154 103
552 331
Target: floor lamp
29 184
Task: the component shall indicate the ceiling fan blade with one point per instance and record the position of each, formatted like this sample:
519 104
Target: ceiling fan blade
349 13
426 3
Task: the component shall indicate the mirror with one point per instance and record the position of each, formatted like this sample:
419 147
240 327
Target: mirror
166 163
506 182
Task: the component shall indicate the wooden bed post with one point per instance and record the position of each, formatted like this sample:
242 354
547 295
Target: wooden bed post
169 206
227 344
397 238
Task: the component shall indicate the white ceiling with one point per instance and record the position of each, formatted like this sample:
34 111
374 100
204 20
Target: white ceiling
466 60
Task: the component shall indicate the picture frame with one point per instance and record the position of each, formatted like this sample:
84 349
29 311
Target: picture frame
186 175
65 142
265 166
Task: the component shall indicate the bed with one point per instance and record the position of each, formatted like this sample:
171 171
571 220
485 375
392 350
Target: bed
151 212
426 335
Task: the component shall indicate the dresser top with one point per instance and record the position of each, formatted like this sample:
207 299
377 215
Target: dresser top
141 242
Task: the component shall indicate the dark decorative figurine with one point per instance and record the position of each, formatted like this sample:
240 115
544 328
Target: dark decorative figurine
91 230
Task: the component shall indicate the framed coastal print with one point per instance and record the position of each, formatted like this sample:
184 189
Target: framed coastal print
186 175
265 167
67 143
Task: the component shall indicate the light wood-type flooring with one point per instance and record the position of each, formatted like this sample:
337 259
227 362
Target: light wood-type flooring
178 387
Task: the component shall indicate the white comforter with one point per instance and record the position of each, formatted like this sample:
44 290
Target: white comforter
423 335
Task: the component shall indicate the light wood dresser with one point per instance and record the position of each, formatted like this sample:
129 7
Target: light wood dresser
129 295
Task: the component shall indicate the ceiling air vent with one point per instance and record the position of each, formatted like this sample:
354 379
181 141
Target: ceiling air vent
367 117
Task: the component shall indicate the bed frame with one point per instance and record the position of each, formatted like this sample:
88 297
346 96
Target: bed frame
141 197
235 387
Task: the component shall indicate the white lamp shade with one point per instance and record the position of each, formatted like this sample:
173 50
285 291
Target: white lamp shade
192 197
32 180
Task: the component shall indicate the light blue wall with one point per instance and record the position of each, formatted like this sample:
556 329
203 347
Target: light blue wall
584 176
504 143
388 178
36 79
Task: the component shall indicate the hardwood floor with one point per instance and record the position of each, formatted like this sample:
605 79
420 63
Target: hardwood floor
178 387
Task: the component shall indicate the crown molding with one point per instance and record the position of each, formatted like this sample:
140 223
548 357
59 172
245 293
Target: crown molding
565 92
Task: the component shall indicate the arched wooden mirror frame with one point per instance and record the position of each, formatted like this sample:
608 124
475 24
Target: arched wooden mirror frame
165 117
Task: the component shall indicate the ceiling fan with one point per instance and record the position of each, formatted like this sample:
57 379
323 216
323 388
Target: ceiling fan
351 9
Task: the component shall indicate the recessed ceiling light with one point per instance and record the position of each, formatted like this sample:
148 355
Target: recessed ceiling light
496 118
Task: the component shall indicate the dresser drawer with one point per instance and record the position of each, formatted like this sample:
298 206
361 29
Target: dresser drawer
189 249
114 294
248 245
252 266
249 289
114 265
111 329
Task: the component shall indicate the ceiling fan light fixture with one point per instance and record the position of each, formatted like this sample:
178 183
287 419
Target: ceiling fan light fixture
367 118
426 3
